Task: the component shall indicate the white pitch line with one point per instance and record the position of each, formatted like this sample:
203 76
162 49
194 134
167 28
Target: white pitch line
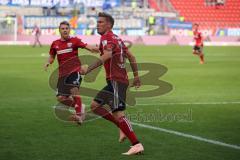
188 103
179 134
187 136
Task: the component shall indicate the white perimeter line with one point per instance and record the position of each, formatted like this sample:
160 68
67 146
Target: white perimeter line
188 103
187 136
180 134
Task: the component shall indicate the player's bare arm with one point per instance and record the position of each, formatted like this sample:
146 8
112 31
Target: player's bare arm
133 64
50 60
107 55
93 49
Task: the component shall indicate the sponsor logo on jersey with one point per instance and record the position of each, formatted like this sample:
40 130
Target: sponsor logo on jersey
69 50
69 44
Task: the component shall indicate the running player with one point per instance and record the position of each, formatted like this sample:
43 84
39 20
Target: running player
66 50
113 55
198 47
37 32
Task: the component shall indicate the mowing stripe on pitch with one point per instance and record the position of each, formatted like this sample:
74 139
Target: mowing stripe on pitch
188 103
187 136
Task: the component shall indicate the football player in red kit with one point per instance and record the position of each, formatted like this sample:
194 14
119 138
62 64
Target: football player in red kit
37 32
113 55
66 51
198 47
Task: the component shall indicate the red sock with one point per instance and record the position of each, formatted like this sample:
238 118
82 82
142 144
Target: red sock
105 114
126 127
68 102
78 104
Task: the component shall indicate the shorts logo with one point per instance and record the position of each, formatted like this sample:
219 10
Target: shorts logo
120 105
75 82
69 44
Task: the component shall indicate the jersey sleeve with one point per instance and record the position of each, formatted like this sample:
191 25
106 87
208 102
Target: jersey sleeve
107 43
80 44
52 50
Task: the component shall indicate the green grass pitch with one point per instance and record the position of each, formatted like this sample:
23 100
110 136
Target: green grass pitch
209 96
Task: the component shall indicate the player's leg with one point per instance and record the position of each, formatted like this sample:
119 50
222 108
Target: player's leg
77 101
102 111
66 91
38 40
63 93
66 100
201 55
194 51
73 82
118 108
126 127
100 104
35 41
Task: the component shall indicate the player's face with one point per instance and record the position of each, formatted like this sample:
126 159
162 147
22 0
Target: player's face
64 31
102 25
195 27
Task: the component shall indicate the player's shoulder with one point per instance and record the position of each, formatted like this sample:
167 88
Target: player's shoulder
107 36
75 39
56 41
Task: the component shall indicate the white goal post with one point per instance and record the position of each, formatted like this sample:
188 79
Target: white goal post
8 29
9 32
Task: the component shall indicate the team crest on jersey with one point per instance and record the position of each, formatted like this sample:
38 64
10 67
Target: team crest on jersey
69 44
104 43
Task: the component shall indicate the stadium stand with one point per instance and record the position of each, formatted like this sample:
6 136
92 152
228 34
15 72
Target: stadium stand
142 19
161 5
21 10
197 11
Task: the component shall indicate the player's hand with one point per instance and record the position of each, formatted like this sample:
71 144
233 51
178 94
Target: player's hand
46 66
84 69
136 82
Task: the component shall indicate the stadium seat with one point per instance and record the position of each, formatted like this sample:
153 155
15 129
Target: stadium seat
230 12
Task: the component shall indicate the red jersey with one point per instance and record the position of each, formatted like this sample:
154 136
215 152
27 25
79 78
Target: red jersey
198 38
115 66
36 30
67 54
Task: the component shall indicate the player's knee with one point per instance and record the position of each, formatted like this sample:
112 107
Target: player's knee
94 105
74 91
118 114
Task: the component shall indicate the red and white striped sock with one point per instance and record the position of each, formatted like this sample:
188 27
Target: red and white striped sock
126 127
78 104
101 111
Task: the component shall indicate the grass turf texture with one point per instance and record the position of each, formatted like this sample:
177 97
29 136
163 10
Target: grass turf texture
29 129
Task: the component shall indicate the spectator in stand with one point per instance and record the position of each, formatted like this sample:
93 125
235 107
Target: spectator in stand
219 2
123 31
106 5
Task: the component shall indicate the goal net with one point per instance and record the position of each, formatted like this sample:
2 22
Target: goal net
8 30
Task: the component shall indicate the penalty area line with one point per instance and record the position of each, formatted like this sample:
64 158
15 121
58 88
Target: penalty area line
187 135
